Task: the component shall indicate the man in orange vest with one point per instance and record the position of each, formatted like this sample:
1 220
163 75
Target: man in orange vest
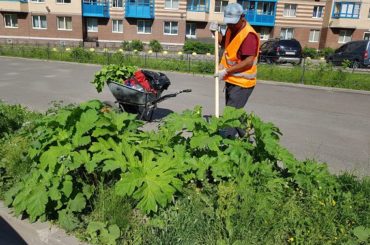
238 66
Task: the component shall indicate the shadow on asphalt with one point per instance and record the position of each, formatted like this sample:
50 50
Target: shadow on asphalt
160 113
8 236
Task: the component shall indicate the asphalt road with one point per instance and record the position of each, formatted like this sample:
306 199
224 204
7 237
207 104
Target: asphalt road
329 125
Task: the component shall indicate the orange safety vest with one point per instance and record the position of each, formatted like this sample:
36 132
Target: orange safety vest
245 79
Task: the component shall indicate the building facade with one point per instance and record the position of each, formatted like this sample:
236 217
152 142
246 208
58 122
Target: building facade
346 21
300 19
316 24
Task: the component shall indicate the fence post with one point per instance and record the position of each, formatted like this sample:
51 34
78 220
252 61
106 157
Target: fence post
303 70
188 63
108 57
48 51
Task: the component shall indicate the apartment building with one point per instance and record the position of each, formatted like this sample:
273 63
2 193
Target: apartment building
300 19
347 20
41 20
315 23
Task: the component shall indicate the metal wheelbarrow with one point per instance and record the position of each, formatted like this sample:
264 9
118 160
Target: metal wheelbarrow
136 101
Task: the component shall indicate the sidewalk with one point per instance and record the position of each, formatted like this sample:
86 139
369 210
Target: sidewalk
33 234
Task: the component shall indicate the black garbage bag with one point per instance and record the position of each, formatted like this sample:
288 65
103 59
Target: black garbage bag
159 81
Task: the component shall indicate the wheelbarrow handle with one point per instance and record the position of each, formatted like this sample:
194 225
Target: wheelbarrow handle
170 95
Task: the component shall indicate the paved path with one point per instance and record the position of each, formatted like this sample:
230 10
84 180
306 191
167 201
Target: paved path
330 125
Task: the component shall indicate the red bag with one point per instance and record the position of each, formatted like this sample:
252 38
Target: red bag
141 79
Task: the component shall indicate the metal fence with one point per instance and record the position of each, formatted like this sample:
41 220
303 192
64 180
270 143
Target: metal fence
316 72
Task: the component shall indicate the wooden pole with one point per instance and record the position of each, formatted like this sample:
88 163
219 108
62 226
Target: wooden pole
217 106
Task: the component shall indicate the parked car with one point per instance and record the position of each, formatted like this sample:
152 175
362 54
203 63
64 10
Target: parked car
281 51
357 52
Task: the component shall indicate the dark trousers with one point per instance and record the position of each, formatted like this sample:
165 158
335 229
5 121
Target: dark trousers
237 97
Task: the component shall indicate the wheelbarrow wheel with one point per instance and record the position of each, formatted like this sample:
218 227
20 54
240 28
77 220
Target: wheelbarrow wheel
134 109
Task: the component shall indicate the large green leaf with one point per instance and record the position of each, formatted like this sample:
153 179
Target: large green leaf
67 220
78 203
153 183
36 203
205 141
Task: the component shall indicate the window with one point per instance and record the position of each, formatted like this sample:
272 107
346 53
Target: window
286 33
346 10
220 6
367 36
63 1
290 10
368 15
170 28
190 30
39 22
117 26
38 1
64 23
11 20
117 3
265 8
92 24
314 36
144 26
345 36
317 11
265 33
171 4
197 5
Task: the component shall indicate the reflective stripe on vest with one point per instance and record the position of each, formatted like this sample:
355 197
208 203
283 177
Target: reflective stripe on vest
231 63
247 78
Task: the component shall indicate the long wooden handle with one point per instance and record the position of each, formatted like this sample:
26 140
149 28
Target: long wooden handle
217 106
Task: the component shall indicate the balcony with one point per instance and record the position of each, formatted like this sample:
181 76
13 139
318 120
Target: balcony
260 19
197 10
94 8
141 9
14 5
346 10
260 12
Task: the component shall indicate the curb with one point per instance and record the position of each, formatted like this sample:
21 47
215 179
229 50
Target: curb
330 89
38 233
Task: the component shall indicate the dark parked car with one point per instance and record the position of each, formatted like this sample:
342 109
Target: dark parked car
281 51
357 52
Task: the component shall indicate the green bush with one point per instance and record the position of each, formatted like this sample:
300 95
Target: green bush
126 46
13 117
325 52
137 44
80 54
310 52
14 163
155 46
96 169
198 47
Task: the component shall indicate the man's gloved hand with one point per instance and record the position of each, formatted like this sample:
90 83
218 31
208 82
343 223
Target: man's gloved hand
221 74
214 27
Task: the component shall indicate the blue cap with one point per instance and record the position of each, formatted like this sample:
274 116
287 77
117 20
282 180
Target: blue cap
232 13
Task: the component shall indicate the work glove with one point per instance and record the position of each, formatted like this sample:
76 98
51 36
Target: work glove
214 27
221 74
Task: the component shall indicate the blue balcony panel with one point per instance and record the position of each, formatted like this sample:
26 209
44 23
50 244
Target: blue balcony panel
95 9
139 10
256 19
